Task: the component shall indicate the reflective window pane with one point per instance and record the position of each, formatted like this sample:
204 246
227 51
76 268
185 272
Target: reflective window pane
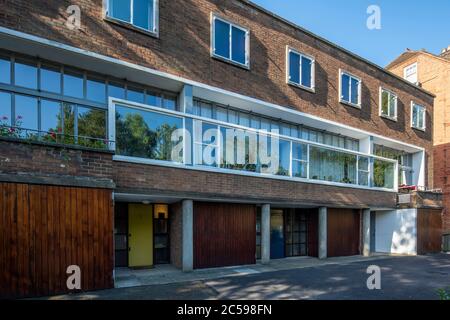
299 151
222 38
50 79
145 134
73 84
116 90
5 70
51 121
299 169
284 158
294 67
244 119
91 127
385 103
221 114
96 90
345 90
238 45
330 165
25 74
170 103
5 109
355 90
383 174
26 114
135 94
306 72
143 14
120 9
68 111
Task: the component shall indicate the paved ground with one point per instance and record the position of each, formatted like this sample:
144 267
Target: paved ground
401 278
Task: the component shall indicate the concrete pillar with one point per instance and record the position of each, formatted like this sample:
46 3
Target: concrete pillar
366 232
322 232
188 235
265 233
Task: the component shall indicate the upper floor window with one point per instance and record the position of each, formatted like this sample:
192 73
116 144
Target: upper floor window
418 116
139 13
350 89
230 42
410 73
300 69
388 104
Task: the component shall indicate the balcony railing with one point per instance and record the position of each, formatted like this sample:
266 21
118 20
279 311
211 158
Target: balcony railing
54 137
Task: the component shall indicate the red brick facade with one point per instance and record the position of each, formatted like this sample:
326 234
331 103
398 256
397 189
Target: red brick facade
183 48
186 24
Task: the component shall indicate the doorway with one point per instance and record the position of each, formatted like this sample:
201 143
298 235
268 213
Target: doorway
161 234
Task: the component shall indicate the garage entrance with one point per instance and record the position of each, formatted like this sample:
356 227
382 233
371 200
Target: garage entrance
344 230
224 234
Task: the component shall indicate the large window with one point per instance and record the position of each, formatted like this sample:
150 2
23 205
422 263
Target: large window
255 121
350 89
418 120
142 14
388 104
405 163
145 134
333 166
230 42
53 103
300 69
383 174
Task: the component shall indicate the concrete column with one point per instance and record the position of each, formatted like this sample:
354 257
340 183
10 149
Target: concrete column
188 235
322 232
366 232
265 233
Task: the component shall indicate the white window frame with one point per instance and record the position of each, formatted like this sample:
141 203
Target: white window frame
245 65
313 69
154 32
413 104
352 76
381 114
415 65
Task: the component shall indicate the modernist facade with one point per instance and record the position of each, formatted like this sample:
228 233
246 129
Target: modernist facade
198 133
432 72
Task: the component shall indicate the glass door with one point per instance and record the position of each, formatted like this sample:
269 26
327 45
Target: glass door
161 234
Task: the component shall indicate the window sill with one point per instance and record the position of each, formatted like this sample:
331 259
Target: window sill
357 106
312 90
154 34
388 118
419 129
236 64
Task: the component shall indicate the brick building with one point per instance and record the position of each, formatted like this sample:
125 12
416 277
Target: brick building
199 133
432 72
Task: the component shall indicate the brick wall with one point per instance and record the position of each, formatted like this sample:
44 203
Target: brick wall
147 179
36 160
183 49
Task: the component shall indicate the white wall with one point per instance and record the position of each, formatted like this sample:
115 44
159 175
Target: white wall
396 231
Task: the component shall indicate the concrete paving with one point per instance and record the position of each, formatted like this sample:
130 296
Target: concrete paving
401 278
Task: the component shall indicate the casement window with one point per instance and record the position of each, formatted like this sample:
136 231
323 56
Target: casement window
350 89
142 14
418 116
388 104
300 69
410 73
230 42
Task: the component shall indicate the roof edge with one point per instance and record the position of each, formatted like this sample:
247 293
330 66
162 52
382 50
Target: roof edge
334 45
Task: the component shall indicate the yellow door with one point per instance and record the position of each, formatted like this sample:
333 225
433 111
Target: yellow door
140 235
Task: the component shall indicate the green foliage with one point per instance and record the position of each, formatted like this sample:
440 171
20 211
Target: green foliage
444 294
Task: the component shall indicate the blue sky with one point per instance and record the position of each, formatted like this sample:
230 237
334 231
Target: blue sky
405 24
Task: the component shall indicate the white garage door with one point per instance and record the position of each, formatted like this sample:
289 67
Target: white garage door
396 231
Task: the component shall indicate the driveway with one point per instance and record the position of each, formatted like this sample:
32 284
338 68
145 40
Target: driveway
401 278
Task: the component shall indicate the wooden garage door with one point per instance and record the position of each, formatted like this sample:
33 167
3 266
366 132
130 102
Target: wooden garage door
45 229
343 232
429 231
224 235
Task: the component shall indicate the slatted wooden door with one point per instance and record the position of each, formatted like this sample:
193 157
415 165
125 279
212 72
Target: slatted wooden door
224 235
45 229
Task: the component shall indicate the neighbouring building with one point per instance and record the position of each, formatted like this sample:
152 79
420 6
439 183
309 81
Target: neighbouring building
432 72
199 133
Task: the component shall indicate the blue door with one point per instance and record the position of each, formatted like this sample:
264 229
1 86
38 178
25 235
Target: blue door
276 234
